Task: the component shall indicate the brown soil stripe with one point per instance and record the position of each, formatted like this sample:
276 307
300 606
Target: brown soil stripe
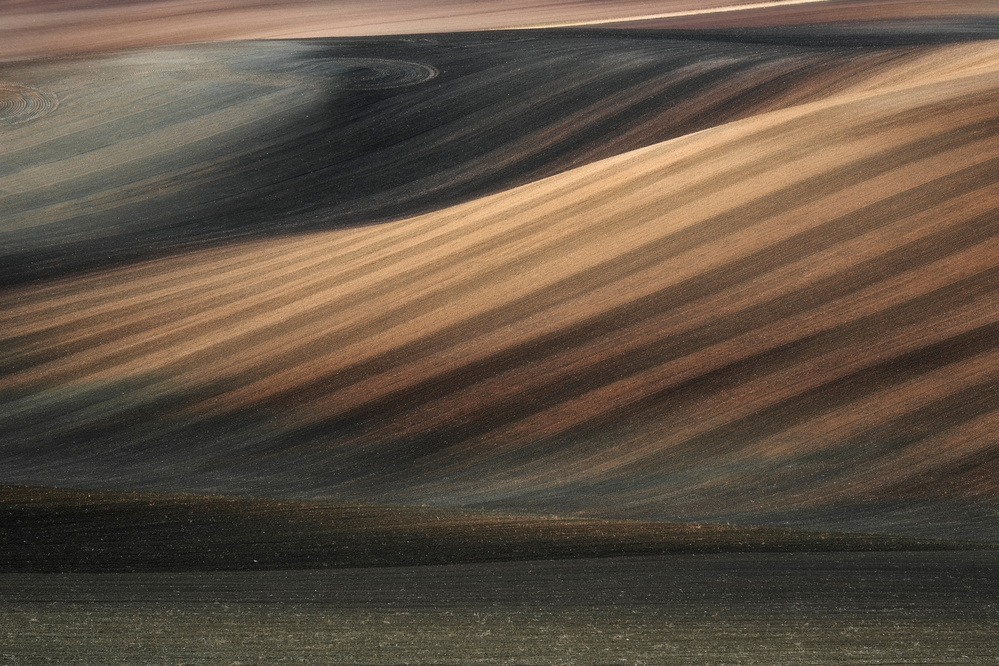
720 278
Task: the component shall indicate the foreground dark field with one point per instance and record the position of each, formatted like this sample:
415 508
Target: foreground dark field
745 608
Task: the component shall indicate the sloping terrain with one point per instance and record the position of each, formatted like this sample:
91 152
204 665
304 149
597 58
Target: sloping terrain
791 312
47 27
145 152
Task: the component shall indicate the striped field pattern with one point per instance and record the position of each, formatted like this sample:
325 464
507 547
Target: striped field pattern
795 310
178 147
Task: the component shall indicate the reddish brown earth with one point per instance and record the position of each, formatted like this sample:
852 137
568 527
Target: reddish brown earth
32 28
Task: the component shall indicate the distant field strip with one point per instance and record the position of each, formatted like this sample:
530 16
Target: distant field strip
690 12
795 309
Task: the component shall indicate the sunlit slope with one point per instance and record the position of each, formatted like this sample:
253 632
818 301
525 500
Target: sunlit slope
112 158
793 311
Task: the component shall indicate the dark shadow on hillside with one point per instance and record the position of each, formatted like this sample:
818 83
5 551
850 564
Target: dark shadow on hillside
503 109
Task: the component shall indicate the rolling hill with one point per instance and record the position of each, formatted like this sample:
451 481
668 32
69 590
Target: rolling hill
781 312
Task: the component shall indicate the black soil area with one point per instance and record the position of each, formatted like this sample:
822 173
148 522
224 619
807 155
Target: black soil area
68 530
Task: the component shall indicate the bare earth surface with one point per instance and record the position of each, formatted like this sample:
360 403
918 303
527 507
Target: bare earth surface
894 13
46 27
155 150
56 530
767 608
49 27
712 287
789 313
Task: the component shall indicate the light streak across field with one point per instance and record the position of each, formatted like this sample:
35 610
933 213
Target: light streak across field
680 14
